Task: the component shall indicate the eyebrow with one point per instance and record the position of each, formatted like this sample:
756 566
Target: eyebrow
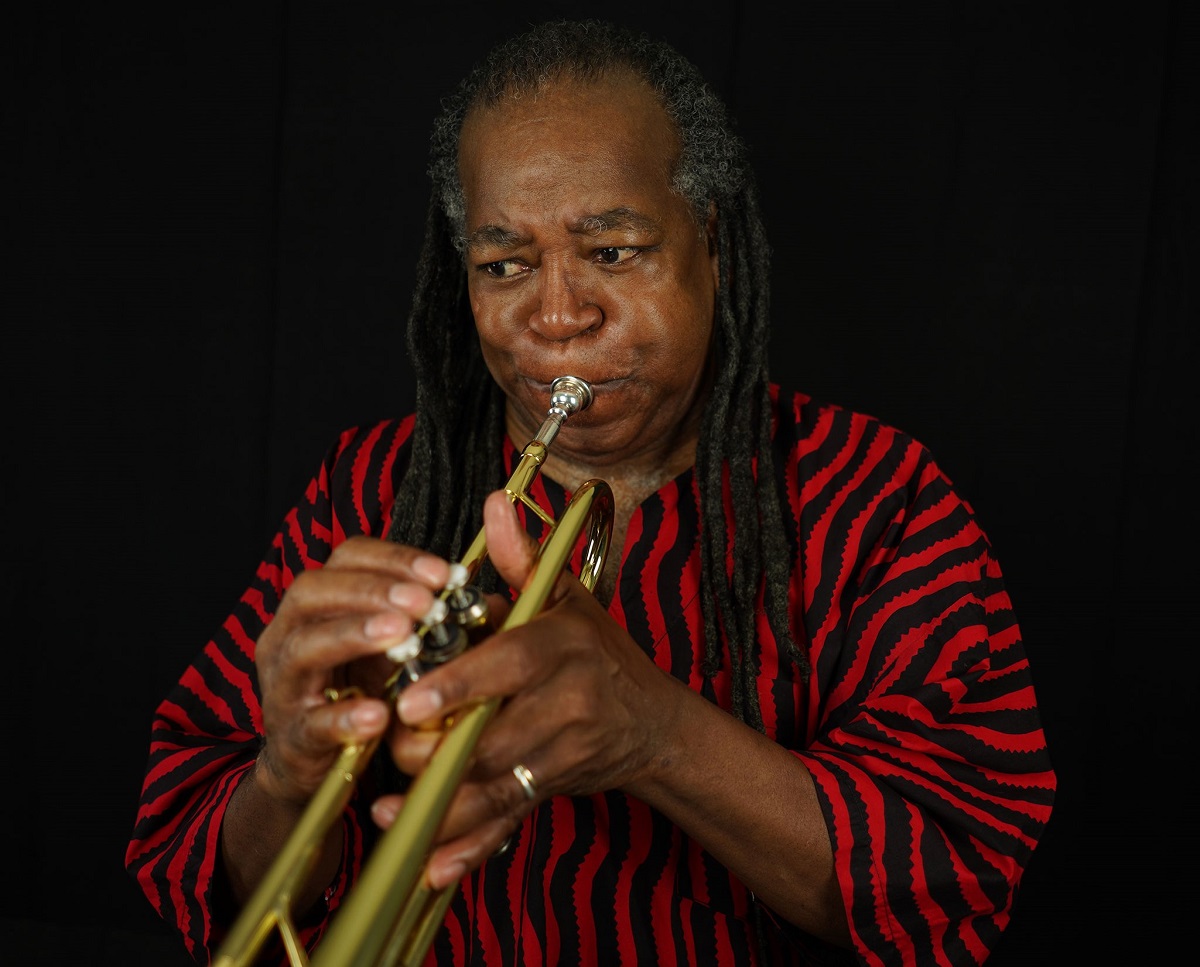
615 219
492 235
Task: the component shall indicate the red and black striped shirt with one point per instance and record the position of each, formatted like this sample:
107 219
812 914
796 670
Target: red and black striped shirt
919 724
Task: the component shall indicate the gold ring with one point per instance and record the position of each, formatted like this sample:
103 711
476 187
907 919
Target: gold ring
525 778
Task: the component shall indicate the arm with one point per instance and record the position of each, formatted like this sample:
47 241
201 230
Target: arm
921 736
745 797
332 628
211 806
598 714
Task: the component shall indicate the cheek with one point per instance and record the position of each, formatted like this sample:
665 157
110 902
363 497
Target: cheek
693 339
495 344
487 322
497 315
697 307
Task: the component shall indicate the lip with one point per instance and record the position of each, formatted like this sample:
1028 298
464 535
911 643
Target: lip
597 384
601 387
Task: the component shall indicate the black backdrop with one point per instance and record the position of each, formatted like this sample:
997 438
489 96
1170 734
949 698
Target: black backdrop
984 218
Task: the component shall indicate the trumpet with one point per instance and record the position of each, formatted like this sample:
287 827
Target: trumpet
391 915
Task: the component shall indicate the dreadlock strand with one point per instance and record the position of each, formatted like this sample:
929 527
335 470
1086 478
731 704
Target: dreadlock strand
743 453
774 557
431 498
710 465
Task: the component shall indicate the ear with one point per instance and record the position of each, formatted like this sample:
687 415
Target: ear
710 235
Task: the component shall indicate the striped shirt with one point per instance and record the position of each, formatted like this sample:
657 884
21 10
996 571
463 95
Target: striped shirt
919 724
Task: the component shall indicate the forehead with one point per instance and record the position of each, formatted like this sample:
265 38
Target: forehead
618 99
570 137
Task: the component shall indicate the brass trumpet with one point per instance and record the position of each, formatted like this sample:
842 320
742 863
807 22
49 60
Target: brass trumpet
392 916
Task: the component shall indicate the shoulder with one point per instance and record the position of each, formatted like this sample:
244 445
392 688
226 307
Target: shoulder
362 471
372 440
834 459
817 431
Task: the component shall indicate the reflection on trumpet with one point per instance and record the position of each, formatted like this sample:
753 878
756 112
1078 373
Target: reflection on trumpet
391 917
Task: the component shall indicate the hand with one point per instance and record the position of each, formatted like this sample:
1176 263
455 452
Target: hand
582 708
331 630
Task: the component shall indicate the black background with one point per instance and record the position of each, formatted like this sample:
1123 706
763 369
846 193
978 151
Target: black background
984 218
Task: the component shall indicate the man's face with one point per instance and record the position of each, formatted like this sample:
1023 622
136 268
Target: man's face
581 261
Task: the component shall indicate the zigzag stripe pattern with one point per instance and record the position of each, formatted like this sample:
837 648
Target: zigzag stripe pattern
918 724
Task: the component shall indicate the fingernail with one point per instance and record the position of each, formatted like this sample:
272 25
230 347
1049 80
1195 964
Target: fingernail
450 874
386 625
365 717
431 570
406 596
383 814
417 706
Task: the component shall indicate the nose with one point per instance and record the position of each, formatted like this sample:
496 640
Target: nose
564 308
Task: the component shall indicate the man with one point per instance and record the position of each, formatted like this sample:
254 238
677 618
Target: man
794 723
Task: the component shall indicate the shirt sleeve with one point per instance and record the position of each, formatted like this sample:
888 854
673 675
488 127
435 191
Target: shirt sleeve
925 744
207 732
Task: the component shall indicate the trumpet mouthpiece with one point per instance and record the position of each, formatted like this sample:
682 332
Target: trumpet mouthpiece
570 394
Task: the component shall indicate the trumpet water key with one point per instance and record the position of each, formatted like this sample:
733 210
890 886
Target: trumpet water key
391 916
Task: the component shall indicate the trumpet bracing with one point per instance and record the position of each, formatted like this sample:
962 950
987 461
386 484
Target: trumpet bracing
391 915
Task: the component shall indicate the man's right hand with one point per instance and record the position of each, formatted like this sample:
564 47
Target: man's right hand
331 631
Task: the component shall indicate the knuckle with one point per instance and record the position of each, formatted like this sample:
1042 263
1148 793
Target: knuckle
487 763
499 799
455 688
522 659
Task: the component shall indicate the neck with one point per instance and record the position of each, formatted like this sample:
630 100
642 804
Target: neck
633 476
632 483
637 474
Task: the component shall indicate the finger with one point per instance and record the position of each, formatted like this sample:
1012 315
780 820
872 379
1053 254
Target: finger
511 549
516 555
411 749
324 630
465 839
483 816
504 797
363 576
329 592
297 758
498 667
354 719
474 804
401 561
453 860
449 863
316 648
509 662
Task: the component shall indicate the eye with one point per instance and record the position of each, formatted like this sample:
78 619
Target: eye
616 254
504 269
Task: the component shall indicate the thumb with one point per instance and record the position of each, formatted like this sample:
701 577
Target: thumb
511 549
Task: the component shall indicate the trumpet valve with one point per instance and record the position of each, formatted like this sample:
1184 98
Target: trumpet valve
443 642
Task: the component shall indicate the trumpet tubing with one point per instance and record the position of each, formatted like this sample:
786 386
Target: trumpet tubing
391 916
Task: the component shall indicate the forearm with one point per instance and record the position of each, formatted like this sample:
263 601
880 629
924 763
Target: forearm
751 804
256 827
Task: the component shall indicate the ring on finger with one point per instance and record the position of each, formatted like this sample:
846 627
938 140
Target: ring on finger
525 778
